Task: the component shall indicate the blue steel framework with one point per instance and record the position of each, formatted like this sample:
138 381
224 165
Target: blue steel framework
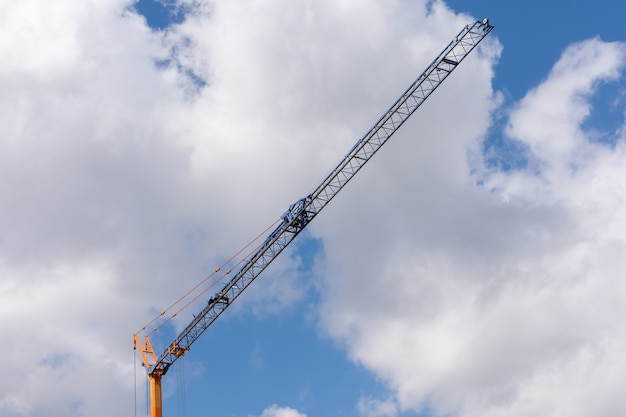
300 213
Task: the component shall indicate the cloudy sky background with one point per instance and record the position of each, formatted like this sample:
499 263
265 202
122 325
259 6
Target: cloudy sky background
474 268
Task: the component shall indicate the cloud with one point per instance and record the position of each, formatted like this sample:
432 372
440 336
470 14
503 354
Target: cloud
134 161
124 179
371 407
87 182
498 299
548 120
276 411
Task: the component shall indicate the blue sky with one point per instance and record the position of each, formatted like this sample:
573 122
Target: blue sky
473 268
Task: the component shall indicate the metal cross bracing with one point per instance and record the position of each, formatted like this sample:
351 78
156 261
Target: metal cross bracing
304 210
399 112
300 213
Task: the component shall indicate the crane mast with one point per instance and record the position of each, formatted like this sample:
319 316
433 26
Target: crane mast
303 211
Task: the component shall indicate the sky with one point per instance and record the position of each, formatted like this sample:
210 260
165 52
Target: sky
474 267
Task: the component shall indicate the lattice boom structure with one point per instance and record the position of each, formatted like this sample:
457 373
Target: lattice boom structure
300 214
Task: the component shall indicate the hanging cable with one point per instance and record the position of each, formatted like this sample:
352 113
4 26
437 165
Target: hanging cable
203 291
254 250
147 398
135 375
218 269
182 400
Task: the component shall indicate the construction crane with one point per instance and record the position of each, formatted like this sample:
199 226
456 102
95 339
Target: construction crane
300 213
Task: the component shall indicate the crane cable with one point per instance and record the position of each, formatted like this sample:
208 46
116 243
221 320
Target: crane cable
147 397
205 290
182 400
219 268
135 375
135 384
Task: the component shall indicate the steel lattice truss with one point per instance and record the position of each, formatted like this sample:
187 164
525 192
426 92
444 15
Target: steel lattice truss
299 214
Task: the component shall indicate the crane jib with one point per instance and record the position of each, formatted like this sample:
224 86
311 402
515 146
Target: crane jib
300 213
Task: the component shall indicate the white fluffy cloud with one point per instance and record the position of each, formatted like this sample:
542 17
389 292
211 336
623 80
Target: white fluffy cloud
117 174
276 411
502 299
89 189
372 407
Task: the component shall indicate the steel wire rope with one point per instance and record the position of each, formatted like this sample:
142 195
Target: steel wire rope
135 376
256 248
147 398
164 322
219 268
203 291
182 400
